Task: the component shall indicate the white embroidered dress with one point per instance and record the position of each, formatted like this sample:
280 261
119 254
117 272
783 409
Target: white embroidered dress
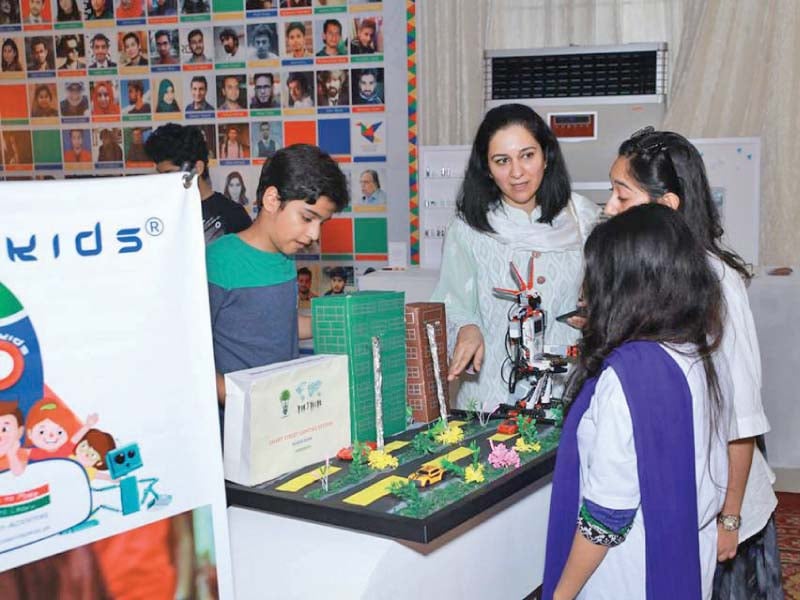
473 263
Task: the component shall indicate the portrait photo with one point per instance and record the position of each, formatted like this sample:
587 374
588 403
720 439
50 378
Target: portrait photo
298 39
367 86
74 99
136 97
267 138
43 100
129 9
101 54
36 12
233 141
12 59
162 8
17 149
229 43
40 53
70 52
331 39
366 36
77 146
265 90
299 91
107 145
104 97
164 47
196 93
262 41
231 92
132 47
133 139
169 96
197 46
333 88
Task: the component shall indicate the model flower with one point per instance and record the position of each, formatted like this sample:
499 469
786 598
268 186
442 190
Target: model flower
452 435
524 447
379 460
474 474
503 457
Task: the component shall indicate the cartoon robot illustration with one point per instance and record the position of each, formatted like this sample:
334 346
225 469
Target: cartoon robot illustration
122 462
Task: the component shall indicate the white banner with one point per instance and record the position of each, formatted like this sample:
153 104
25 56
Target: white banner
106 357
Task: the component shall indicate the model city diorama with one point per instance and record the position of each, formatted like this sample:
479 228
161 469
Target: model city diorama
432 461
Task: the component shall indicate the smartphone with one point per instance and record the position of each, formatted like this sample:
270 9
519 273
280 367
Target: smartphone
578 312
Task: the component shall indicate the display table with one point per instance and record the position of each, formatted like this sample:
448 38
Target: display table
360 537
497 554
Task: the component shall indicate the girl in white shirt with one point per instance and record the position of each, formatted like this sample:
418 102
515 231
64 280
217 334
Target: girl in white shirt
642 463
664 167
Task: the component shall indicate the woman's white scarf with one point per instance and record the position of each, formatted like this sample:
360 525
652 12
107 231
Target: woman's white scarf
516 229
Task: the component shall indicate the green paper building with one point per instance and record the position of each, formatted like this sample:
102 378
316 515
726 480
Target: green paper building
346 324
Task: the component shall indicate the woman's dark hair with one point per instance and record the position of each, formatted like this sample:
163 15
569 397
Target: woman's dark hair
647 278
662 162
304 172
479 193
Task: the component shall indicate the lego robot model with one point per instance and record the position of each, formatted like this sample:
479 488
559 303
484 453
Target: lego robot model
525 348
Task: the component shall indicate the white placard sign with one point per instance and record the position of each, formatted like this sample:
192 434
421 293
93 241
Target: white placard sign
107 394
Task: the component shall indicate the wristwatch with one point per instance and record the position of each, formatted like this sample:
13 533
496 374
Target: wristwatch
729 522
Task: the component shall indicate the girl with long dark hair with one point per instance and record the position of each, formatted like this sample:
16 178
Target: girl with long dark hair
642 463
515 203
664 167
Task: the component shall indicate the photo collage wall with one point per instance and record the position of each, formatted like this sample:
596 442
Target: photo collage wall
83 83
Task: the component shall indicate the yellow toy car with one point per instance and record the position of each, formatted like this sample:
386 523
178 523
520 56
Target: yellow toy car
427 475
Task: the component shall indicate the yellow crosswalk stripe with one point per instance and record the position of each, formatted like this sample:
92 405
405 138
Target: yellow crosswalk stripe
298 483
374 492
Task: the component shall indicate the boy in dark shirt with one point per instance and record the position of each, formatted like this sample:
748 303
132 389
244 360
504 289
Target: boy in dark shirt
170 147
251 276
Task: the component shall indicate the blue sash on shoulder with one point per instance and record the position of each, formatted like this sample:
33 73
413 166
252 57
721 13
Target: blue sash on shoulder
660 404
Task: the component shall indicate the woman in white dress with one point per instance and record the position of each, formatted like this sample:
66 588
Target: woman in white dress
515 203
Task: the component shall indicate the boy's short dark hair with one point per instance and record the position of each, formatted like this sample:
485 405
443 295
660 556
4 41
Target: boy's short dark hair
304 172
136 84
337 272
178 145
304 271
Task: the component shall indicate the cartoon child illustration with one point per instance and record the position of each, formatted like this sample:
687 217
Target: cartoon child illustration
12 455
53 429
91 452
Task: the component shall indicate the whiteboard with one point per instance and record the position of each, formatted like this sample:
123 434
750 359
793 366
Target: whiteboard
734 172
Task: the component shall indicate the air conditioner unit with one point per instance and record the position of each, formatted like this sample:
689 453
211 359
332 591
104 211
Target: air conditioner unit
592 97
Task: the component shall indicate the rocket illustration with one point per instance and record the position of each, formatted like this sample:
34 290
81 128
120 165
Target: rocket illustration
21 373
